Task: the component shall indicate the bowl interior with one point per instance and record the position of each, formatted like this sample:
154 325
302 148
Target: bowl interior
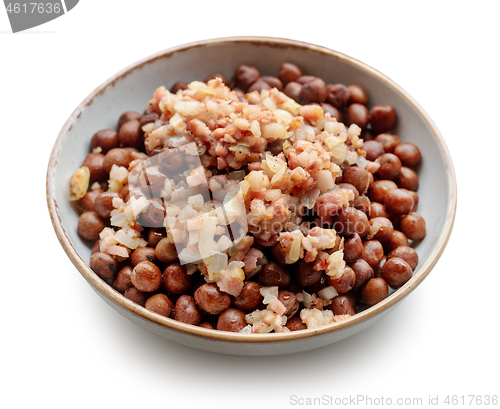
132 88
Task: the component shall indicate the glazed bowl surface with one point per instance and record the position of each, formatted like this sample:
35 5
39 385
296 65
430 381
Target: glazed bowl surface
131 88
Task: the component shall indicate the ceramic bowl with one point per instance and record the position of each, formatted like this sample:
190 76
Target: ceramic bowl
131 88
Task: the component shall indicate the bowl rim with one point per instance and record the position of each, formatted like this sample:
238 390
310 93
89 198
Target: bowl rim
111 294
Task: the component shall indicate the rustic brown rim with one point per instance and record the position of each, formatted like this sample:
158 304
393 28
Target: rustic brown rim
357 319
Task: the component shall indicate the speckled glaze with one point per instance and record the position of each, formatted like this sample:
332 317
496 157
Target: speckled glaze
131 88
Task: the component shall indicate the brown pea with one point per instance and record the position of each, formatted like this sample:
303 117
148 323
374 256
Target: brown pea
179 85
206 325
357 177
305 78
341 305
373 149
105 139
289 300
118 157
338 95
334 112
363 272
293 90
372 252
382 118
122 281
370 173
90 225
259 85
398 201
289 72
381 229
245 76
171 160
216 75
249 298
367 135
388 141
378 268
166 251
104 204
397 239
375 291
396 272
128 116
322 283
232 320
186 310
272 81
357 114
148 118
345 282
415 198
353 248
142 254
378 190
135 295
136 154
413 226
313 91
146 276
154 215
377 210
154 235
407 179
390 165
352 297
295 324
176 280
357 95
95 163
275 147
278 254
87 202
272 274
406 253
160 304
396 220
104 265
408 153
130 134
211 299
306 275
95 247
362 203
349 221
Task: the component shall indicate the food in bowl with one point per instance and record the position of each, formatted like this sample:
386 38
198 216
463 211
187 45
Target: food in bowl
252 208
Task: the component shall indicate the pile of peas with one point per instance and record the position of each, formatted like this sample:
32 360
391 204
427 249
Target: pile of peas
378 226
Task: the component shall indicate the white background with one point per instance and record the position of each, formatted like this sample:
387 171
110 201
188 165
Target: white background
63 347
